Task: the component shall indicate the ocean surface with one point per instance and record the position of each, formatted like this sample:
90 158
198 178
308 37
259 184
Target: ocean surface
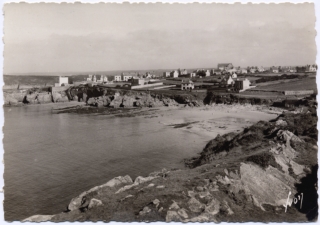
51 158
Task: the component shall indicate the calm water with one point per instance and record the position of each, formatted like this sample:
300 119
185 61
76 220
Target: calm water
51 158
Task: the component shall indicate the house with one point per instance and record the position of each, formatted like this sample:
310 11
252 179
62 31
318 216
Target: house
261 69
244 71
126 77
63 81
166 74
183 72
252 70
187 85
225 66
311 68
117 78
189 75
275 70
231 71
103 79
89 78
207 72
149 75
242 84
174 74
226 81
293 70
216 72
137 81
94 79
234 76
193 74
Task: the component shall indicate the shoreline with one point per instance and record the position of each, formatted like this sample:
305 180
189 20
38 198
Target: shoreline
201 187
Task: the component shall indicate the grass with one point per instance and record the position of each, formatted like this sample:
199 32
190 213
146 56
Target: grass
297 85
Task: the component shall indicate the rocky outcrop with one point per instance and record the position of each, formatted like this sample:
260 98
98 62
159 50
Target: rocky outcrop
60 97
78 202
38 218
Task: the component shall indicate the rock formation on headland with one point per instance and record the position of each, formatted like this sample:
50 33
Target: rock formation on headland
115 98
266 173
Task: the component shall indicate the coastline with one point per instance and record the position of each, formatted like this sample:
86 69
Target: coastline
186 205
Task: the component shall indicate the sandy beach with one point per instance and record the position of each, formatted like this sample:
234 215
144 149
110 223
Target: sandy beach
215 119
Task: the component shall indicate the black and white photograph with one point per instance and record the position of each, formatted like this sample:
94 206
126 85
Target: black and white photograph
160 112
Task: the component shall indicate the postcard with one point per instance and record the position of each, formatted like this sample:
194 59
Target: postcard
160 112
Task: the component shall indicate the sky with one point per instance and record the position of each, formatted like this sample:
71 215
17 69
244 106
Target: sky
62 38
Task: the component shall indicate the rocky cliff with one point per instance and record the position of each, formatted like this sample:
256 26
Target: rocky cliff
267 173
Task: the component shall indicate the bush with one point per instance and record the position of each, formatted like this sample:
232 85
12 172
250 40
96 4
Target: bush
264 160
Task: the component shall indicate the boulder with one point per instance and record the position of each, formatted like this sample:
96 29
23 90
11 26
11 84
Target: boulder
59 97
128 101
195 205
183 213
140 180
227 208
77 202
9 100
44 97
38 218
199 188
94 203
281 123
156 201
116 102
213 207
145 211
174 205
118 180
31 98
173 216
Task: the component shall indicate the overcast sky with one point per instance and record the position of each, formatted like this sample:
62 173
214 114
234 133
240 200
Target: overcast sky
100 37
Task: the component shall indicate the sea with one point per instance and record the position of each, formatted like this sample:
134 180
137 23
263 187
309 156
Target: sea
51 158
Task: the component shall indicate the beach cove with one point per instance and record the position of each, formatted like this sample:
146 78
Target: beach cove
84 151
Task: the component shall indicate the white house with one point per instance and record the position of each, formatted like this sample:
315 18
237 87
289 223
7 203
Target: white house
227 81
183 72
63 81
137 81
234 76
242 84
216 72
252 70
89 78
117 78
275 70
292 70
126 77
207 72
174 74
261 69
244 71
166 74
311 68
103 79
187 85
